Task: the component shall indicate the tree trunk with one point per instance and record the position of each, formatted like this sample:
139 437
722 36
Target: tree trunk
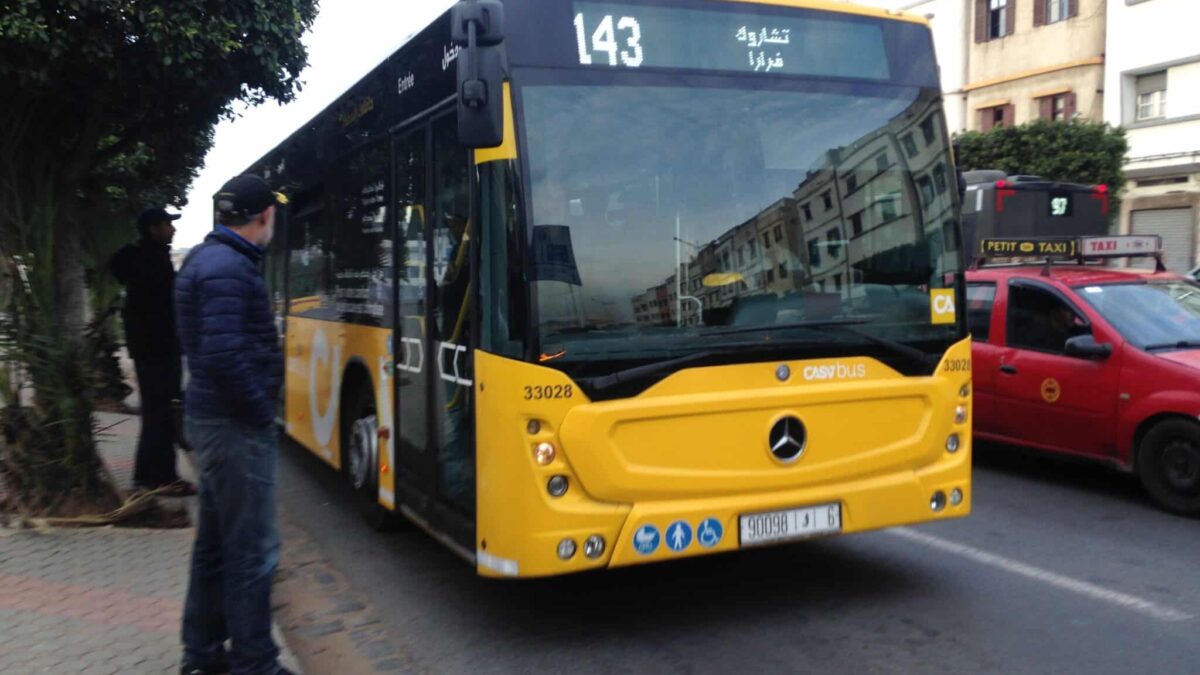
70 296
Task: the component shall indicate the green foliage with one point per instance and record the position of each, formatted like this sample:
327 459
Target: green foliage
107 106
1075 152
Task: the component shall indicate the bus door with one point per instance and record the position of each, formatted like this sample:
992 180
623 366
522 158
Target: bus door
415 460
433 342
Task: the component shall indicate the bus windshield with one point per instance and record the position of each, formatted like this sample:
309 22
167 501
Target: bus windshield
667 218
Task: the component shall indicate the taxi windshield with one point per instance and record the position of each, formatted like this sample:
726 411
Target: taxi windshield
1153 316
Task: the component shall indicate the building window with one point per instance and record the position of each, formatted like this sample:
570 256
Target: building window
925 184
833 240
837 280
778 233
814 252
753 249
770 276
856 225
851 183
1152 96
881 162
807 208
1056 10
928 129
910 146
939 178
997 18
766 241
783 272
827 198
995 116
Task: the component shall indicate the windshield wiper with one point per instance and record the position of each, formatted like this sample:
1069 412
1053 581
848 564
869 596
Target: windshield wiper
848 326
1179 344
603 383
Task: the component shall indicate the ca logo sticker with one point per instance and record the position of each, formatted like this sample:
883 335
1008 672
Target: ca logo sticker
323 420
941 306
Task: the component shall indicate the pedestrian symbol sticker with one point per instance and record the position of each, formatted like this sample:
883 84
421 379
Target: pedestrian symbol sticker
709 533
679 535
645 540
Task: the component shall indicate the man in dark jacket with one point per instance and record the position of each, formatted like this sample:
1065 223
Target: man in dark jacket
149 316
232 347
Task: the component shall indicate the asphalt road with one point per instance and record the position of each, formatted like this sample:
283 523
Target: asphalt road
1062 568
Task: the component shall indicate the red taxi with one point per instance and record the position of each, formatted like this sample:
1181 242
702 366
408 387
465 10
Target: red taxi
1103 362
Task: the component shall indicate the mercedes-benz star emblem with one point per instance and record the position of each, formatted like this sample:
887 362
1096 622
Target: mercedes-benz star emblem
788 438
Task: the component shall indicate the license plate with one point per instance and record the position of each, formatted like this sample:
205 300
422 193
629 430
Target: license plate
774 526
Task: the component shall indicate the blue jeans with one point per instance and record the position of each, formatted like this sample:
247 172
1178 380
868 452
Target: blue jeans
237 547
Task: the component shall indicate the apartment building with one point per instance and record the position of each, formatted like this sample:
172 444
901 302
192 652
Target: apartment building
1153 85
1035 59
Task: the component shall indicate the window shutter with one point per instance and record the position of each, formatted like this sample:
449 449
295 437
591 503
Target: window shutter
985 120
1039 12
1010 111
1011 18
1151 82
1072 8
1069 105
981 20
1046 107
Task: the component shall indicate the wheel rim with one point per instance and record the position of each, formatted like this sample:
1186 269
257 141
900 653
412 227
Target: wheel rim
1180 464
362 440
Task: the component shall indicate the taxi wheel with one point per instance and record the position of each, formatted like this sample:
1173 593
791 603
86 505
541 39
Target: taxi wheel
360 461
1169 465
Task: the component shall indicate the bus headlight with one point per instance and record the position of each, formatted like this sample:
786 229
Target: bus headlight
557 486
566 549
544 453
938 501
952 443
594 546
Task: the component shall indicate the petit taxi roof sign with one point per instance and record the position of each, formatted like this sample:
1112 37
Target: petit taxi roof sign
1049 247
1068 247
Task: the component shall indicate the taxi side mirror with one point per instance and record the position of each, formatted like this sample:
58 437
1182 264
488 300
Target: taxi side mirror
1086 347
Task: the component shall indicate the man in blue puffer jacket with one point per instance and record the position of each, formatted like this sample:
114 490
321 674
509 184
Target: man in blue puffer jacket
231 344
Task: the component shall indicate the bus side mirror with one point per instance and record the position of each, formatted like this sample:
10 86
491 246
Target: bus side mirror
477 28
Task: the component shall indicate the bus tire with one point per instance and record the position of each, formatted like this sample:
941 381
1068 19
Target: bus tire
360 443
1168 464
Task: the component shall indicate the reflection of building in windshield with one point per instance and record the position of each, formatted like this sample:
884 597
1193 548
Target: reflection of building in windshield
849 228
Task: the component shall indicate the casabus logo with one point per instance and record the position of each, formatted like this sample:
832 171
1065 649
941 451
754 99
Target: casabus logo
836 371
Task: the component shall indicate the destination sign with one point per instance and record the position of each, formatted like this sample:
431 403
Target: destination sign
622 35
1042 248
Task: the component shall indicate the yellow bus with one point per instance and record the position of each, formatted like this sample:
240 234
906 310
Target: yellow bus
578 284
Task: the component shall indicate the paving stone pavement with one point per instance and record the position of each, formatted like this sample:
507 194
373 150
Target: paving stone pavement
97 601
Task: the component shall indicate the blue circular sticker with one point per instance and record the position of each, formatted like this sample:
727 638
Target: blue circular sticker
645 540
710 532
679 535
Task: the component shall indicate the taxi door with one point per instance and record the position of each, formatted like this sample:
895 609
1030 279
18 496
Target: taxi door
985 353
1045 398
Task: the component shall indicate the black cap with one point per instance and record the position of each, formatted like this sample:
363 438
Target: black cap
154 216
246 196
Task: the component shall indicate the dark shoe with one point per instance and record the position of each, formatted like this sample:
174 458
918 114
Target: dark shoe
218 669
180 488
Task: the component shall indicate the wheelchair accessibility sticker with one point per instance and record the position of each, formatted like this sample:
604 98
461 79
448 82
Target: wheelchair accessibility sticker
709 532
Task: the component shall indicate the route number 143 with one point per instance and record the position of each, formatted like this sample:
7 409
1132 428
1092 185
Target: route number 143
618 38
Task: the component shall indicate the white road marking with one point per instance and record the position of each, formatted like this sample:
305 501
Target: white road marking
1130 602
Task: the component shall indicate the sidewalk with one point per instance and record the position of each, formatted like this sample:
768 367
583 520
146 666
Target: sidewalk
97 601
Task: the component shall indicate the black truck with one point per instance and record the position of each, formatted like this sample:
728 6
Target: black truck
999 205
